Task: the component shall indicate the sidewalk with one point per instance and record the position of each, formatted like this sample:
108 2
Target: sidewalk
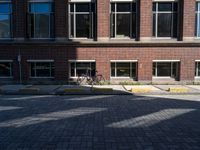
98 89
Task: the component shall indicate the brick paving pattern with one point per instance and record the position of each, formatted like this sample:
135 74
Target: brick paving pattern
100 122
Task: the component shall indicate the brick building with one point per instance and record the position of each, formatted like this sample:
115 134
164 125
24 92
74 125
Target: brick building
125 40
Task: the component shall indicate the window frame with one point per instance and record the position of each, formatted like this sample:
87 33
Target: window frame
75 68
164 12
115 16
91 19
50 15
51 68
10 69
131 69
171 69
10 14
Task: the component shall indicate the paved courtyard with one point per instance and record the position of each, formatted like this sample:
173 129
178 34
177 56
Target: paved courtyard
109 122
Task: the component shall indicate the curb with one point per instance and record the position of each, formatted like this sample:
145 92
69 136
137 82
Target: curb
178 90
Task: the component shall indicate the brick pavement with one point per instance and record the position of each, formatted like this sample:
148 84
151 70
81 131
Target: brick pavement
100 122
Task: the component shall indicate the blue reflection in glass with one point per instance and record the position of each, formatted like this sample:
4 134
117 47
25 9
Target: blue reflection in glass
5 8
40 7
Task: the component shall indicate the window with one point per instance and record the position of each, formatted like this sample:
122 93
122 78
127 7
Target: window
165 19
40 20
197 33
42 69
6 69
197 70
79 68
5 18
123 69
123 20
81 20
166 69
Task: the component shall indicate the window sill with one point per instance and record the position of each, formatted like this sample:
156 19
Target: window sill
6 77
122 77
41 77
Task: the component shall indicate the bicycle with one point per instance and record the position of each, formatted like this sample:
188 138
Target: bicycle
98 78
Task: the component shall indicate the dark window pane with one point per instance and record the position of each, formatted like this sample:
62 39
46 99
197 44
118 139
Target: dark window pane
163 69
133 25
164 25
72 25
5 8
83 68
154 69
112 69
198 69
33 70
112 30
83 7
42 27
164 6
134 69
42 69
5 70
4 26
71 7
175 25
123 69
93 69
82 25
40 7
123 7
113 7
123 25
175 70
154 25
175 7
154 6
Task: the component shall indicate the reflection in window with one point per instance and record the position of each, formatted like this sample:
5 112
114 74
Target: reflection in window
40 20
197 70
123 69
80 68
197 33
42 69
5 18
5 69
166 69
123 20
165 19
81 18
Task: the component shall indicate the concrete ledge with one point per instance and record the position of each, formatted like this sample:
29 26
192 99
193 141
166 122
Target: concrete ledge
29 90
178 90
141 90
102 89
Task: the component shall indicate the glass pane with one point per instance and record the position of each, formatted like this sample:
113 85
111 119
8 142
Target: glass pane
198 69
112 30
133 25
123 7
123 25
154 6
71 7
134 69
175 25
42 27
154 69
42 69
164 6
5 8
4 26
40 7
93 69
5 70
113 7
123 69
112 69
163 69
72 25
83 7
82 25
164 25
83 68
154 25
175 70
198 25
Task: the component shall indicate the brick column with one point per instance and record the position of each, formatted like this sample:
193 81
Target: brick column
61 22
144 70
103 19
19 19
103 67
189 20
145 19
187 69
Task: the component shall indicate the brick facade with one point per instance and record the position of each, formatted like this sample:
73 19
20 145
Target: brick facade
104 49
